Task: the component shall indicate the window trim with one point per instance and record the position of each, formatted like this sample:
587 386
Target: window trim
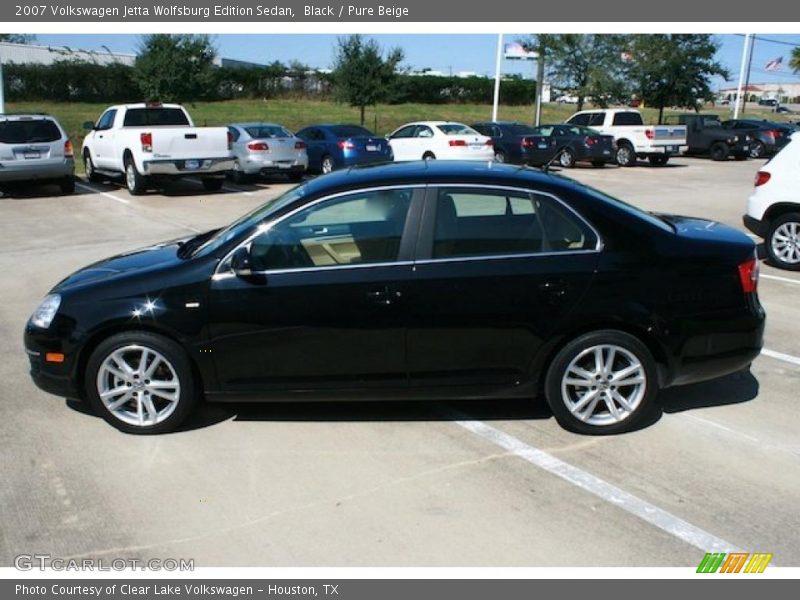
425 241
408 239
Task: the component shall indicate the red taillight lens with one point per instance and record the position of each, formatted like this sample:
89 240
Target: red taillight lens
299 145
650 133
527 143
258 146
762 177
490 142
147 141
68 151
457 143
748 276
345 144
590 141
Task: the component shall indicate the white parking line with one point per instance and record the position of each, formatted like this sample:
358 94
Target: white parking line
794 360
649 513
94 190
779 278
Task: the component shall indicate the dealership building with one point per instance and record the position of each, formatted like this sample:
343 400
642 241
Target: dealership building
785 93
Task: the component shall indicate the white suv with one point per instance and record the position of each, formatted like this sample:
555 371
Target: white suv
773 209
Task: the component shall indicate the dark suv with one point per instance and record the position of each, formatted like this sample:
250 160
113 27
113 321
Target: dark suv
705 135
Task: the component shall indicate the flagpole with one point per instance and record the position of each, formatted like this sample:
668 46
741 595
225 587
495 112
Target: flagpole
498 63
747 79
741 77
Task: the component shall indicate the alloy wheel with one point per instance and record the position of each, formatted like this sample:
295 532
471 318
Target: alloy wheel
785 243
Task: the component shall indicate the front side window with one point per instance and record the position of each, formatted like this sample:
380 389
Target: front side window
359 228
481 222
405 132
107 120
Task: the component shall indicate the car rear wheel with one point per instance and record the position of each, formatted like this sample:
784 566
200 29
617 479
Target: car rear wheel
237 175
134 181
602 382
758 150
566 159
140 382
327 165
783 242
626 156
658 160
719 151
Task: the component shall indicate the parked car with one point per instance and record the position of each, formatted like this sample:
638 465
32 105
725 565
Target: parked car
153 143
567 99
34 147
441 279
706 136
768 136
440 139
767 102
518 143
773 209
266 148
783 110
634 139
580 144
332 147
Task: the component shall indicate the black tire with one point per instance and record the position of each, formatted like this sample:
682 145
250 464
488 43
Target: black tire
598 164
758 150
212 184
719 151
499 156
88 168
646 394
172 352
658 160
625 155
566 158
134 181
238 176
327 165
777 224
741 157
67 185
295 177
429 156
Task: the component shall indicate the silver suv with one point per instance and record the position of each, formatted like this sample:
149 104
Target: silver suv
35 148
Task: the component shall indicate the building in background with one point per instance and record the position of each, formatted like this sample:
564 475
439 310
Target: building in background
785 93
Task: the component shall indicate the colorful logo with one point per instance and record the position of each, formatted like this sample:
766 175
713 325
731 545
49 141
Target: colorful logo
734 562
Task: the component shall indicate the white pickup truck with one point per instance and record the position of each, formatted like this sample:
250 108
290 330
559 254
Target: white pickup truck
634 139
152 142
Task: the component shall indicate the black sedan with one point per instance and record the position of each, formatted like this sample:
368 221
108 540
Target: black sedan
417 280
518 143
768 136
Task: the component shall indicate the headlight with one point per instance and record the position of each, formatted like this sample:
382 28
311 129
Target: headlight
46 311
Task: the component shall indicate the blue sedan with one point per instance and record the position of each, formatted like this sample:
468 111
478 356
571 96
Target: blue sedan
332 147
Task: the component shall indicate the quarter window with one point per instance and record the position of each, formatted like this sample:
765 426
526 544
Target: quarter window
484 222
360 228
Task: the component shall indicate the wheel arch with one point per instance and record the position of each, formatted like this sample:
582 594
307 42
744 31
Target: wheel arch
780 208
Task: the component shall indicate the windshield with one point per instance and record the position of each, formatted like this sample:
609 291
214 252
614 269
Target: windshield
456 129
249 221
267 131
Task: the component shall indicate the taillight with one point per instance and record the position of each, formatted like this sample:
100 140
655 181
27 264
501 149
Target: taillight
457 143
147 141
299 145
762 177
748 276
527 143
490 142
776 133
650 133
68 152
345 144
258 146
590 141
230 140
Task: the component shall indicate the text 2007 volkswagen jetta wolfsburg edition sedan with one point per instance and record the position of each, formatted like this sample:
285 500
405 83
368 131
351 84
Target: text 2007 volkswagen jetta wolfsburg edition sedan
424 280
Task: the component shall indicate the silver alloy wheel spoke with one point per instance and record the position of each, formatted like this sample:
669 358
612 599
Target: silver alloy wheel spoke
786 242
604 384
138 385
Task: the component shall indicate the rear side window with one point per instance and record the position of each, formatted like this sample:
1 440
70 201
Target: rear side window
29 131
456 129
628 118
267 131
481 222
145 117
596 120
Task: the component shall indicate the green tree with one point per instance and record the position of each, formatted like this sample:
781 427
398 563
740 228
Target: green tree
175 68
361 75
794 60
673 69
587 66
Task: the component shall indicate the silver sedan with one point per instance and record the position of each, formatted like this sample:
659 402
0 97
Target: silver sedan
266 148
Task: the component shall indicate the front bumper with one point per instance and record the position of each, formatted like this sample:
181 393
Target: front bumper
195 166
50 170
52 377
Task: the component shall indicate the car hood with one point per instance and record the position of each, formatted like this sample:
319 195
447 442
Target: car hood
141 260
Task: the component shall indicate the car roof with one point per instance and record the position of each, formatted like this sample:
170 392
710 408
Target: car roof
606 110
257 124
25 116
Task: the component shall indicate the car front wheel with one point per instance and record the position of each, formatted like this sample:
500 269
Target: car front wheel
140 382
602 382
783 242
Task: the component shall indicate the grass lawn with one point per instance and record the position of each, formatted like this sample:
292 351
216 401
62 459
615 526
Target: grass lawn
296 114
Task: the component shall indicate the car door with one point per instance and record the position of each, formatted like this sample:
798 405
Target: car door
104 155
498 272
402 143
325 308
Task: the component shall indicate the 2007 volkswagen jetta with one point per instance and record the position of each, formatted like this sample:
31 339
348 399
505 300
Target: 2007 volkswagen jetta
427 280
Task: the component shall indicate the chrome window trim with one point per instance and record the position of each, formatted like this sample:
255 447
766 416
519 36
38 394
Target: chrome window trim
262 229
427 261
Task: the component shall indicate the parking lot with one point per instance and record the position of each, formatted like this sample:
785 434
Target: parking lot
400 484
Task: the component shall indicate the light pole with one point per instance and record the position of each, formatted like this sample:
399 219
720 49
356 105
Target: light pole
497 76
738 102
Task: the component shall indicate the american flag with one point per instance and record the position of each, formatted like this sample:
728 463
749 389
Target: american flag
774 64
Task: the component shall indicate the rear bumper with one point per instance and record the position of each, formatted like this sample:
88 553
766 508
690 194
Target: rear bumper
666 149
252 165
40 171
206 166
756 226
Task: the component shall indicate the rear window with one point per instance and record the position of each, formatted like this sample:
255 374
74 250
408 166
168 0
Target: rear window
628 118
29 131
267 131
456 129
146 117
348 131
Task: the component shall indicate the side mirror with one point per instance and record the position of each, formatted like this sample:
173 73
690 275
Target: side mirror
88 125
241 263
